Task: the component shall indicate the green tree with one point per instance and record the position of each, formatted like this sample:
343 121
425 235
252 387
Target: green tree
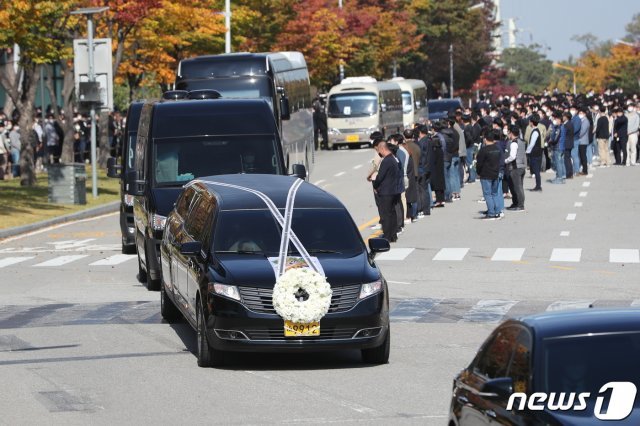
527 68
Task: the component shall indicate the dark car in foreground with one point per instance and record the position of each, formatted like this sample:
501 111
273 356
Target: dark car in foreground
562 368
216 270
441 108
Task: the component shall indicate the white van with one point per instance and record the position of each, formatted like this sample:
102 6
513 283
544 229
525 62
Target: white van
414 101
360 106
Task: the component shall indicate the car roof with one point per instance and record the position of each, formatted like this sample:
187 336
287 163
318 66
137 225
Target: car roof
583 321
276 187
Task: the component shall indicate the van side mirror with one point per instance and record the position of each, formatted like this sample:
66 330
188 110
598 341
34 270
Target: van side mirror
191 248
285 113
134 186
114 170
500 387
300 171
378 245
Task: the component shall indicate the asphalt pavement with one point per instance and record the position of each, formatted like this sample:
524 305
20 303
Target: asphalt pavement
81 341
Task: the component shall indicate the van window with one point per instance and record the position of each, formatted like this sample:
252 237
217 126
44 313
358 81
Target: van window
407 107
318 230
179 160
352 105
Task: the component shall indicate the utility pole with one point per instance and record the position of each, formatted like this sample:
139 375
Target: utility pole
341 61
89 11
227 24
450 70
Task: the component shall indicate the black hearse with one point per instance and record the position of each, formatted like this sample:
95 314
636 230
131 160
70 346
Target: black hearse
216 270
127 162
180 140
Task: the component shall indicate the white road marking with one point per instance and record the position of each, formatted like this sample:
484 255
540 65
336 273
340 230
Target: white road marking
13 260
399 282
563 305
590 175
508 254
116 259
62 260
571 216
586 184
319 182
565 233
339 174
413 309
357 167
582 194
566 255
395 254
451 254
577 204
624 256
490 311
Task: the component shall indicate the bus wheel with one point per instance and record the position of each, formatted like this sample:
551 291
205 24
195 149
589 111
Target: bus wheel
334 147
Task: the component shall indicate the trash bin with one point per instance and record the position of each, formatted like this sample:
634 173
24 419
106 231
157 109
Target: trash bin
67 183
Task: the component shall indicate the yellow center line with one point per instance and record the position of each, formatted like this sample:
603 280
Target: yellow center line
369 223
564 268
374 235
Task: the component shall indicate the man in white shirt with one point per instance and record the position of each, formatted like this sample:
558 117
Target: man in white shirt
632 130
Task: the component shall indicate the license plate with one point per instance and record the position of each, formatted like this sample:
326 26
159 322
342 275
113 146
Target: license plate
295 329
352 138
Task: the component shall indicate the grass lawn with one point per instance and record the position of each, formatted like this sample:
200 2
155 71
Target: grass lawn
21 205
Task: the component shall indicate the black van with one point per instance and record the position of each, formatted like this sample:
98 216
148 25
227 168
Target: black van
180 140
217 270
126 163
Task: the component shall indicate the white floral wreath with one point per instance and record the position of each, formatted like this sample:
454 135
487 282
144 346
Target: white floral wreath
290 292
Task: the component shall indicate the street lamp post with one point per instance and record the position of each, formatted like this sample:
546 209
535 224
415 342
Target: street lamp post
227 24
341 61
89 12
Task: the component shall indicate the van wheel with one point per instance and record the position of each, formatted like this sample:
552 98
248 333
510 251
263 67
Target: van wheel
334 147
207 356
168 309
152 285
142 274
128 248
380 354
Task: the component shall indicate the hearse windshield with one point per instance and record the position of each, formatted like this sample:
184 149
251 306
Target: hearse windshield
326 232
244 87
346 105
181 159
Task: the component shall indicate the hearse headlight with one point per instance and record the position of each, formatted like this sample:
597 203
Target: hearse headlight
128 200
230 291
333 131
369 289
158 221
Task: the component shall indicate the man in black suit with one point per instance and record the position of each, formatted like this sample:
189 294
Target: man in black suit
388 184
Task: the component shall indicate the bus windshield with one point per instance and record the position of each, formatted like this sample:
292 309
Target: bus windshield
179 160
235 87
344 105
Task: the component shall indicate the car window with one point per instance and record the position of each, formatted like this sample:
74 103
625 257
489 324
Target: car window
519 370
184 202
495 358
199 215
319 230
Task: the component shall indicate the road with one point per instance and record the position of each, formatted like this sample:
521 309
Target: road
81 341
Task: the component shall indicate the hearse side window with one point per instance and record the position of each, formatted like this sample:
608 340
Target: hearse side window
184 202
179 160
199 216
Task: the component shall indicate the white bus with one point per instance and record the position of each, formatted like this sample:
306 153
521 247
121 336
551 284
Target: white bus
281 78
360 106
414 101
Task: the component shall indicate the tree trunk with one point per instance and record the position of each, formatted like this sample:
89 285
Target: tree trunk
104 150
68 90
27 134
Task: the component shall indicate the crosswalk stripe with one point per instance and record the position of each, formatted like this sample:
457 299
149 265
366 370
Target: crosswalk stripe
489 311
563 305
571 216
508 254
116 259
566 255
586 184
395 254
624 256
62 260
583 194
577 204
412 309
451 254
13 260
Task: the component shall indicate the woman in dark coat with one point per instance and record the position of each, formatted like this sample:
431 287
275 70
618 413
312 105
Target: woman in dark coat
435 164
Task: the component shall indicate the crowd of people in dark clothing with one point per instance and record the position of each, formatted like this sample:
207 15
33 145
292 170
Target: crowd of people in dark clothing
497 141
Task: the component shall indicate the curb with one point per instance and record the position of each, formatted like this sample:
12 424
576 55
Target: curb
84 214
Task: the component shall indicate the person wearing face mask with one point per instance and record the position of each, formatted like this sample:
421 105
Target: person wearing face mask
534 149
388 185
557 138
515 166
583 141
602 134
633 123
620 136
566 140
575 155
